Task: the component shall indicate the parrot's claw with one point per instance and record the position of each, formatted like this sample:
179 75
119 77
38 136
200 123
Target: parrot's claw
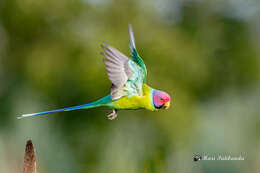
112 115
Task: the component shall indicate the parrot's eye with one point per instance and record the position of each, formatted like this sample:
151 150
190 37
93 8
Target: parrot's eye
161 99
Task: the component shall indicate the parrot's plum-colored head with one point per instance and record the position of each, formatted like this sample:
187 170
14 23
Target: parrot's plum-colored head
161 99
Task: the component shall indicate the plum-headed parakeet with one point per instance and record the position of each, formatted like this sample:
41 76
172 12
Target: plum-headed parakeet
129 89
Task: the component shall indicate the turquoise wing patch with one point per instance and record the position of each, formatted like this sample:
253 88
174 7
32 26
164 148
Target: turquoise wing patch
133 86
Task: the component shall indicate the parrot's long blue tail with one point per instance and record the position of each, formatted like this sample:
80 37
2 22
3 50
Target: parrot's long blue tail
101 102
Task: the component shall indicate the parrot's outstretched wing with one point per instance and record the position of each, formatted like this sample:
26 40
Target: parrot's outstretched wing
135 56
125 74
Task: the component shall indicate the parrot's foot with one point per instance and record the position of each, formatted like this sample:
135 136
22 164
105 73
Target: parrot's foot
113 115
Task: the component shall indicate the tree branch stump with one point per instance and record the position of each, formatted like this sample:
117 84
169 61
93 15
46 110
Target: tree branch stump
29 159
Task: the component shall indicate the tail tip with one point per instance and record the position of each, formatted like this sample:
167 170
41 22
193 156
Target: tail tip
24 115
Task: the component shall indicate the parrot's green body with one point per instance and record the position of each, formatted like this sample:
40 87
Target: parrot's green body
129 89
134 102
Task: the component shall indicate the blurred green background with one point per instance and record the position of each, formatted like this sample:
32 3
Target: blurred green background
206 54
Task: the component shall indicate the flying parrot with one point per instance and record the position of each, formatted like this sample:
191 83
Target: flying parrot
129 89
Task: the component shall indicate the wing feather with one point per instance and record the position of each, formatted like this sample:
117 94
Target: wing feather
127 75
135 55
132 38
118 70
116 73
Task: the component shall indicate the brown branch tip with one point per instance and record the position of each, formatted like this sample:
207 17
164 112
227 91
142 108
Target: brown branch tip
29 158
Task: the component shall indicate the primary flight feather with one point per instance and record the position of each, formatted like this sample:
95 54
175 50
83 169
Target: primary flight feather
129 89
